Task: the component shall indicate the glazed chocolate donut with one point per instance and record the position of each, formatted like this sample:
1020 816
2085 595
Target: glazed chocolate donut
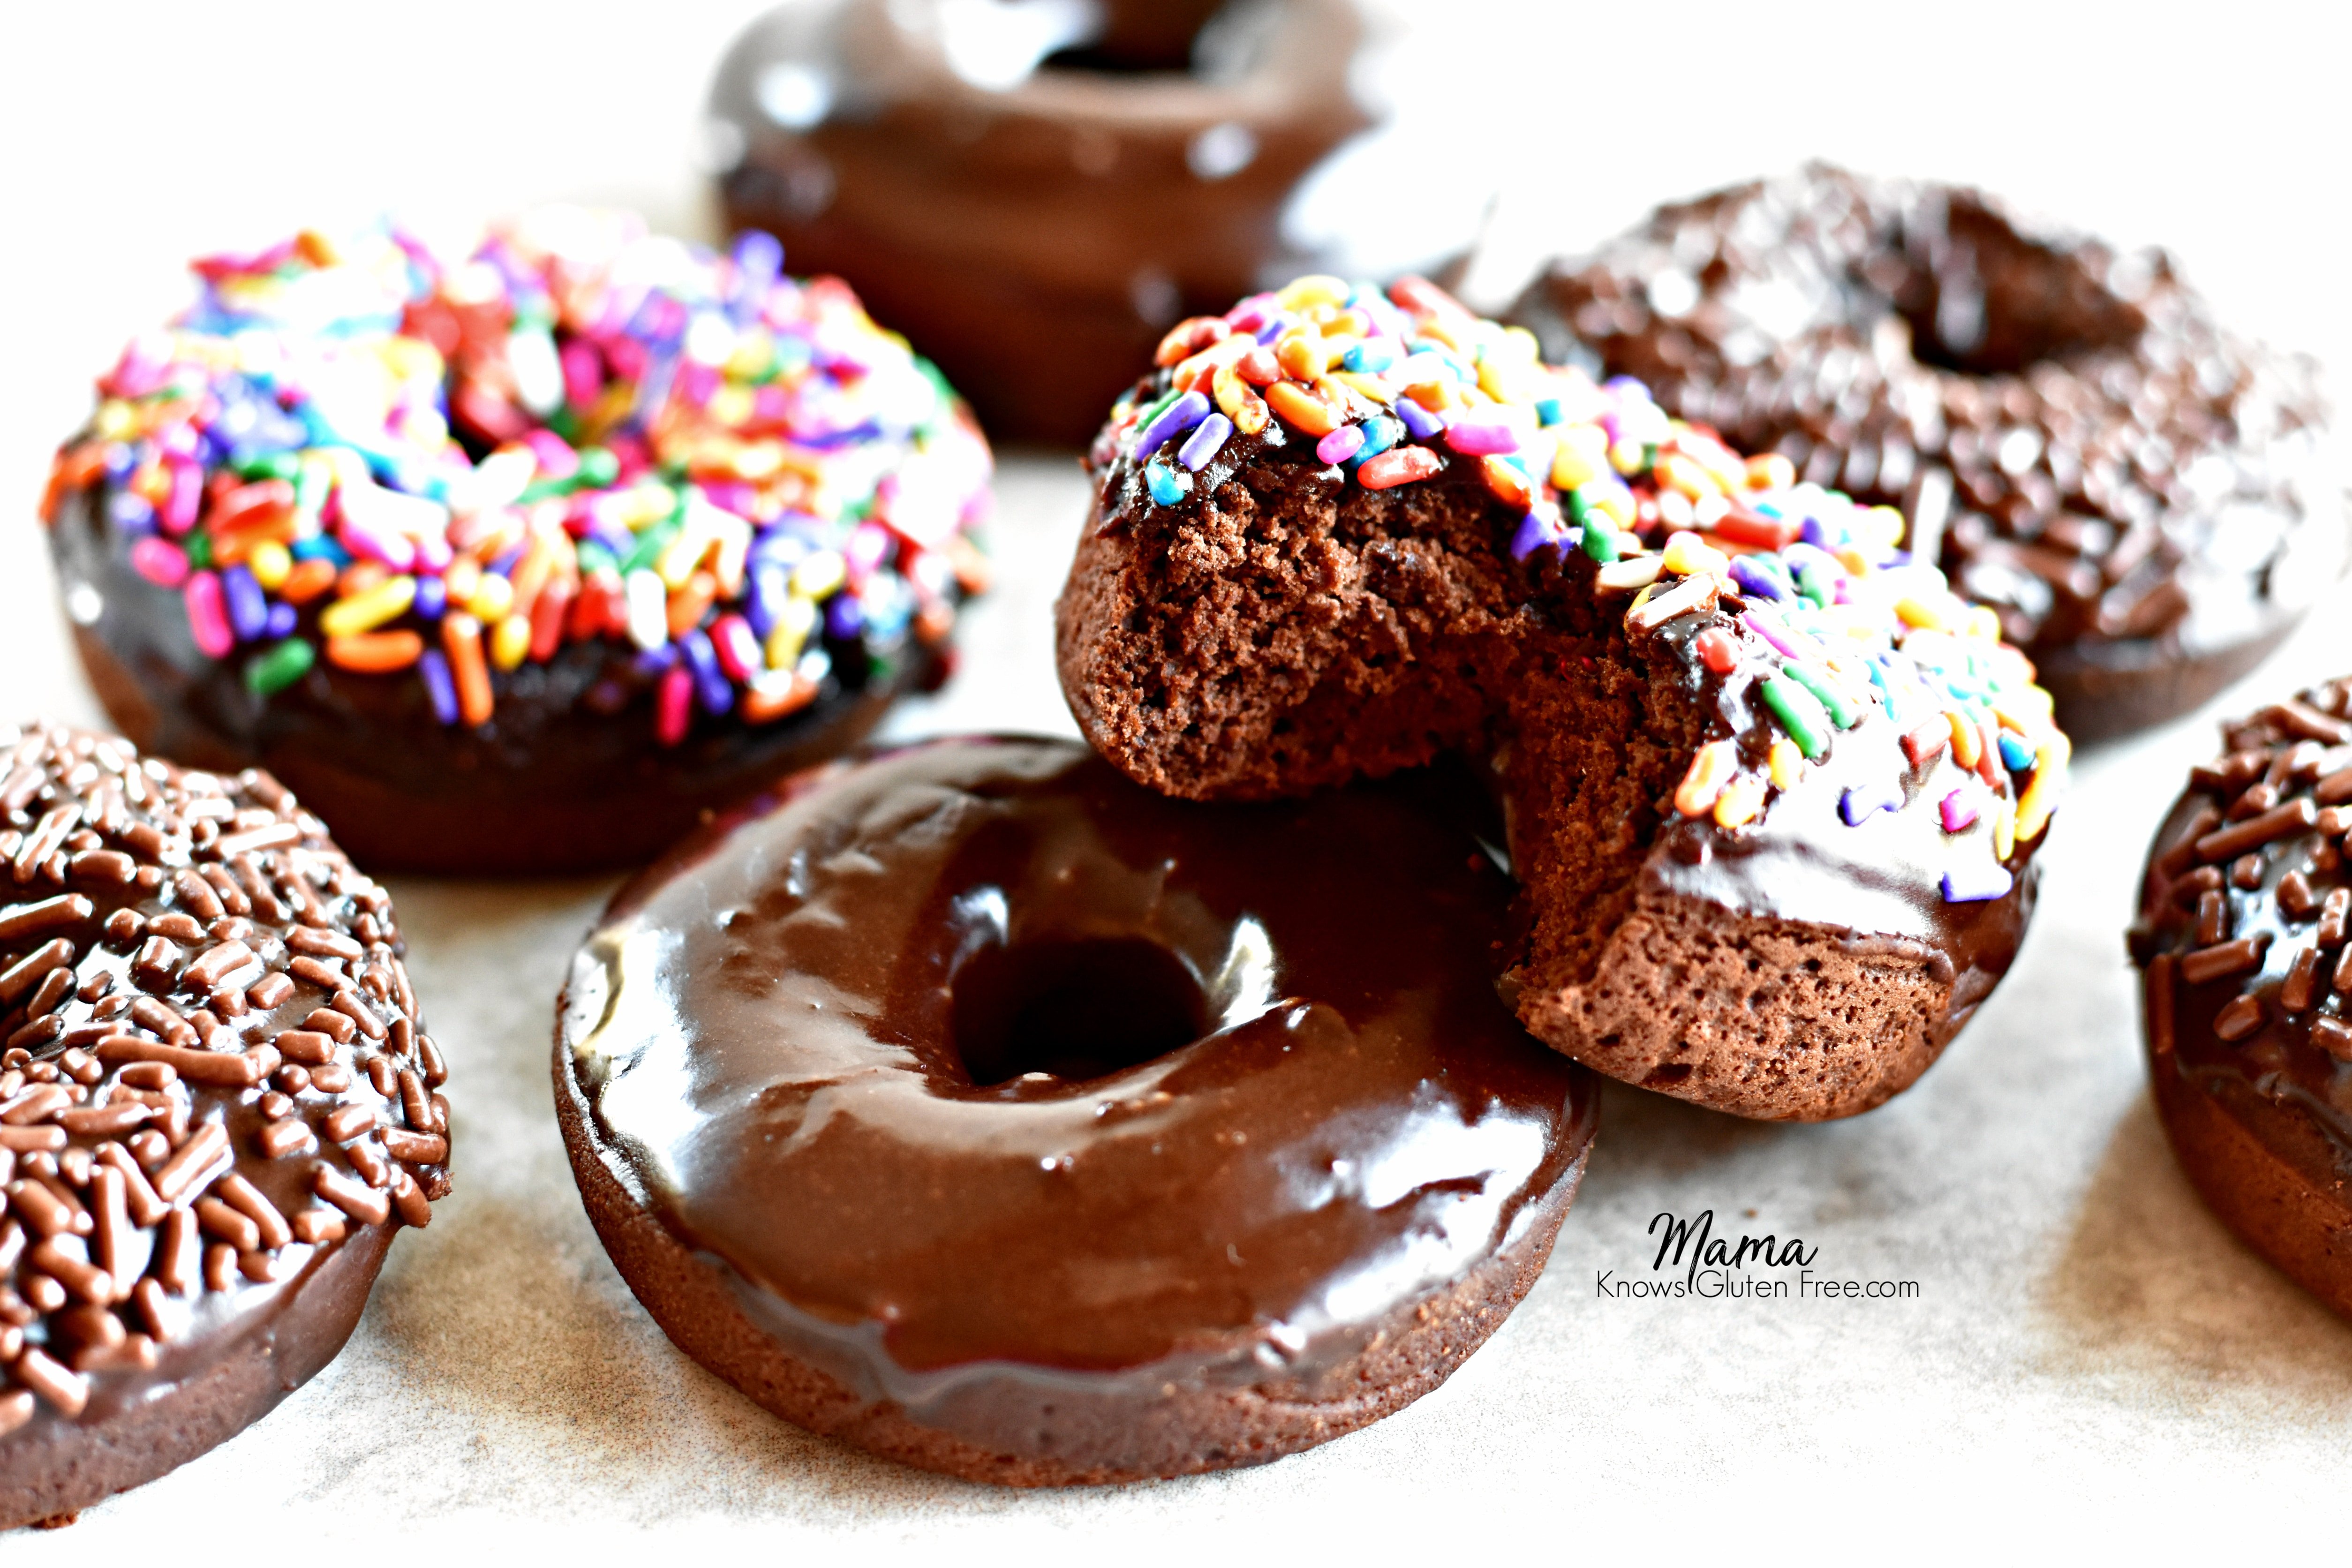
977 1107
2247 989
1773 791
522 560
2145 500
216 1105
1034 194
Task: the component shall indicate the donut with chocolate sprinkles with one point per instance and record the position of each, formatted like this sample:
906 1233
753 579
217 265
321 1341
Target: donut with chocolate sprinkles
217 1103
2247 985
2146 499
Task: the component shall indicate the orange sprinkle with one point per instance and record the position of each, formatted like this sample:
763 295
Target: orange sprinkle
360 576
688 605
1505 482
547 618
375 653
1301 408
307 580
761 703
1965 739
461 639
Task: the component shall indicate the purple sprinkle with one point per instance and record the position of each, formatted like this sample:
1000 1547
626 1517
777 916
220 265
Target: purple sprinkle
1536 530
1754 579
248 607
1340 445
1958 811
843 617
432 598
442 691
1861 801
1976 887
1204 442
282 619
655 660
1181 414
1419 421
1275 325
130 512
710 682
1811 532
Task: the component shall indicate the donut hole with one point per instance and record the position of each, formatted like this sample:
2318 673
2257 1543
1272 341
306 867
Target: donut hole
1135 39
1983 299
1072 1009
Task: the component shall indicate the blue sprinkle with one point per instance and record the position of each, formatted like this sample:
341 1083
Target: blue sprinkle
1275 325
1974 887
1418 421
432 597
249 606
710 682
1755 579
758 258
1381 433
1372 355
1861 801
318 547
129 512
1202 443
442 691
655 660
1168 487
1180 416
1549 411
2014 752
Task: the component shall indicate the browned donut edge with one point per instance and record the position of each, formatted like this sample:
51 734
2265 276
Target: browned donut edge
1181 1431
2257 1186
74 1465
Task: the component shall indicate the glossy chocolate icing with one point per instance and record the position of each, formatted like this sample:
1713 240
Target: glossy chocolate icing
2278 1079
565 777
1035 231
765 1032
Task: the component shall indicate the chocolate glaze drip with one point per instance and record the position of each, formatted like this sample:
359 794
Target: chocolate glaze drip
773 1034
566 776
1035 236
2242 930
2141 496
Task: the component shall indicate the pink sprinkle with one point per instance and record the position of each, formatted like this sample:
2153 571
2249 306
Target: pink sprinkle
1958 810
1340 445
208 616
1482 438
186 494
397 551
738 647
556 460
159 561
695 383
1764 627
583 376
674 705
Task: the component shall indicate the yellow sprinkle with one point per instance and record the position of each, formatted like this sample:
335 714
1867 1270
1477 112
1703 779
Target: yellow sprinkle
116 420
1983 623
269 561
510 641
1627 457
1770 471
1741 799
1883 526
820 574
684 554
1918 613
730 406
1787 761
793 624
365 612
2004 830
1372 386
1642 598
1313 289
464 575
2041 796
1710 770
1615 502
1688 555
1851 558
491 599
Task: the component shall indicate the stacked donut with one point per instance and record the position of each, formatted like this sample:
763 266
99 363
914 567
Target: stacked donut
2143 499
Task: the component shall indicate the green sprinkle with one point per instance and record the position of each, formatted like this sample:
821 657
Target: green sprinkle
1815 583
1600 539
270 465
1843 713
279 667
598 468
594 557
650 544
199 546
1799 712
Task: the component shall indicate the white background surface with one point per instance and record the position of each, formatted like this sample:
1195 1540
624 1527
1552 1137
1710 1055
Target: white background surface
2089 1352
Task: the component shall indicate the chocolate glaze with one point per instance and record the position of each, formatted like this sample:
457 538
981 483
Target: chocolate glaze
763 1034
1035 238
2278 1080
566 776
2143 497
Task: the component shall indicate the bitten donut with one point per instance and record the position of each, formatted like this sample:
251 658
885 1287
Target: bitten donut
519 560
216 1105
1773 791
973 1106
2247 985
1034 193
2145 500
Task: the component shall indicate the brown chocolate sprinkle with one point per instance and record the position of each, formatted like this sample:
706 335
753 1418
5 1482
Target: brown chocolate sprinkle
175 949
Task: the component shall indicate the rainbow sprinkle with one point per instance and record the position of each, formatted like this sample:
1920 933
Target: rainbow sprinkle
1834 621
443 469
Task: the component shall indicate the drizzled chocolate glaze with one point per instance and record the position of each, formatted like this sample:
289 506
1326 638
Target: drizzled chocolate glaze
1036 239
566 777
772 1038
2248 1001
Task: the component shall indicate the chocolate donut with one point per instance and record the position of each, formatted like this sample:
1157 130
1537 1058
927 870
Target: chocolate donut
2247 985
216 1105
1034 194
1773 791
2143 499
973 1106
520 561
